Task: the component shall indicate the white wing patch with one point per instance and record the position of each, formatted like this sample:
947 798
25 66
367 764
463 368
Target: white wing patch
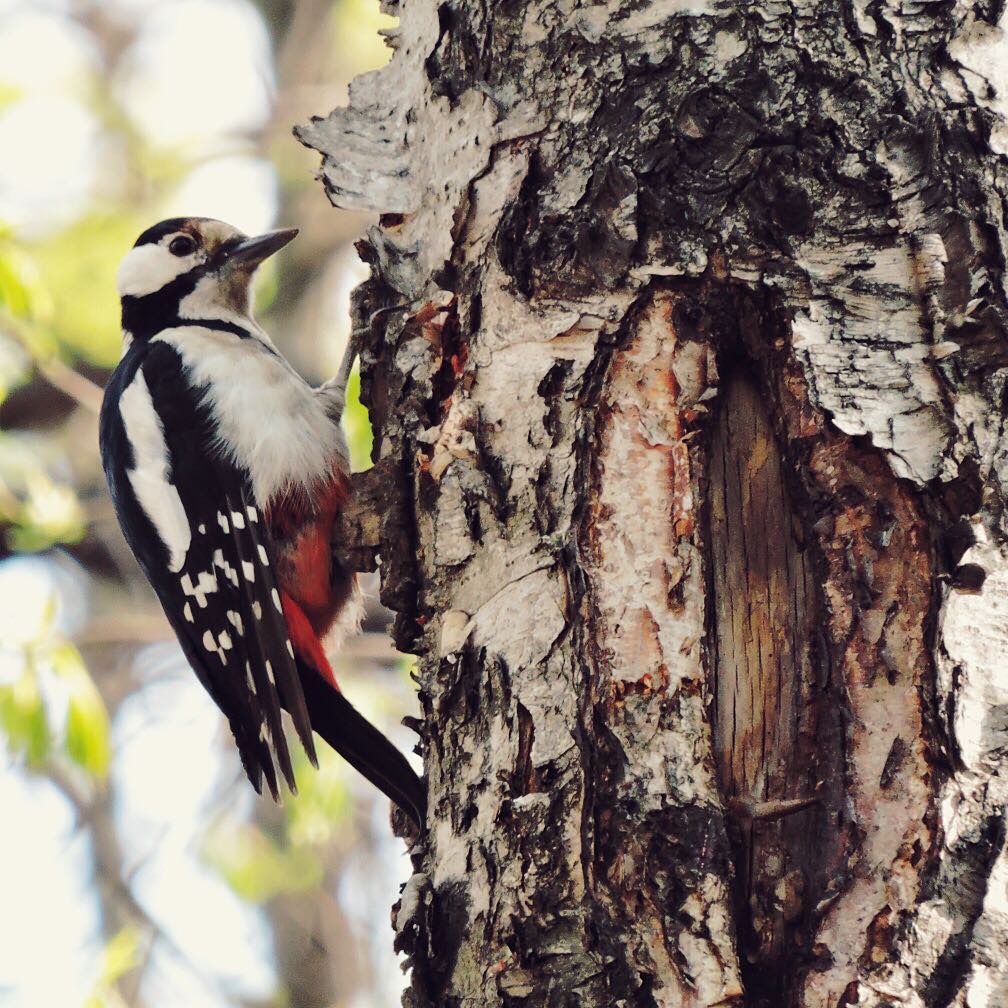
154 491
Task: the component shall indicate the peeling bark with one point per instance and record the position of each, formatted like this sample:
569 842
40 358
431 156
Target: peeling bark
685 350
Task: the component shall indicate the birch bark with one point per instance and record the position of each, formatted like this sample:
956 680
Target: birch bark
685 350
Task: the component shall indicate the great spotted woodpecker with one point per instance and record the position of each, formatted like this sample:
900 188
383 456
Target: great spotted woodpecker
226 471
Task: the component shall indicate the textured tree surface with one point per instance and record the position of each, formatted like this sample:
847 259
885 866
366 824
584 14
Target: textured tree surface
685 349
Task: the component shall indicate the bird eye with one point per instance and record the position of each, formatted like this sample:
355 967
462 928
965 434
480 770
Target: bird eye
182 246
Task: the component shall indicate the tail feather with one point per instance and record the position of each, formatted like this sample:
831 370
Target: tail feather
362 745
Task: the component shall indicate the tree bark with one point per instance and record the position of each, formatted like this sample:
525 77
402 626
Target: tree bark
685 350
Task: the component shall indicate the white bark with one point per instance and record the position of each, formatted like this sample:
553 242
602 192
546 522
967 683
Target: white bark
604 224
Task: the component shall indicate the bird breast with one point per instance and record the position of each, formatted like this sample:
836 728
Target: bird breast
269 420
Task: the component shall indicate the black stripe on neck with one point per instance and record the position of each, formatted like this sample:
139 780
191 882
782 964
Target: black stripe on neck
220 324
146 316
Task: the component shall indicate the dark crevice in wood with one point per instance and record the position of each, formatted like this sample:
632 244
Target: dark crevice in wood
764 610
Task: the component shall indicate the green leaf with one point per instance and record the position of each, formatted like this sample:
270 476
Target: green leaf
14 295
87 724
23 295
320 809
51 513
357 425
23 718
357 23
85 316
120 955
9 93
256 867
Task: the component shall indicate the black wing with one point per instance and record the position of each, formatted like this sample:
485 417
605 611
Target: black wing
221 598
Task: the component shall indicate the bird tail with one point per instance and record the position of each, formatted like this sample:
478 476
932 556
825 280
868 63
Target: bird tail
362 745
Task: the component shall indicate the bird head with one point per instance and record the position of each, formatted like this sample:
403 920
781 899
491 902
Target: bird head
191 268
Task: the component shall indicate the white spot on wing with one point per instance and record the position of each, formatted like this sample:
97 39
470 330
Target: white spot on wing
248 570
263 555
257 610
237 519
290 649
248 678
187 612
236 621
252 513
229 572
202 528
154 491
269 672
206 585
208 641
276 600
223 522
225 640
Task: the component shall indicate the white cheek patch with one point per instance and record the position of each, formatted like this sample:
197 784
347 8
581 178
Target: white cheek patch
155 493
147 268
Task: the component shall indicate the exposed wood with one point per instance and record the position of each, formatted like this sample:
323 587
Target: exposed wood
769 689
658 838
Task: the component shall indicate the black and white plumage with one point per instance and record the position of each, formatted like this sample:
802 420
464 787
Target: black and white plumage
226 471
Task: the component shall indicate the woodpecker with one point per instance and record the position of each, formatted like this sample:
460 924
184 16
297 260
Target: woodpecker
227 470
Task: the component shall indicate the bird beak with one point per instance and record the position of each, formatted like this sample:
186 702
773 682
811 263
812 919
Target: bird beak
253 251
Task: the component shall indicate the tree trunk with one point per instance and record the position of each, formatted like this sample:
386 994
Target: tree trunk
685 351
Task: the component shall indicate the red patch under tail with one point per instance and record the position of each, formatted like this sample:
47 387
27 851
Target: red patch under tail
305 641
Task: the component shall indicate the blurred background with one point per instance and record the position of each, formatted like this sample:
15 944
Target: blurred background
137 867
